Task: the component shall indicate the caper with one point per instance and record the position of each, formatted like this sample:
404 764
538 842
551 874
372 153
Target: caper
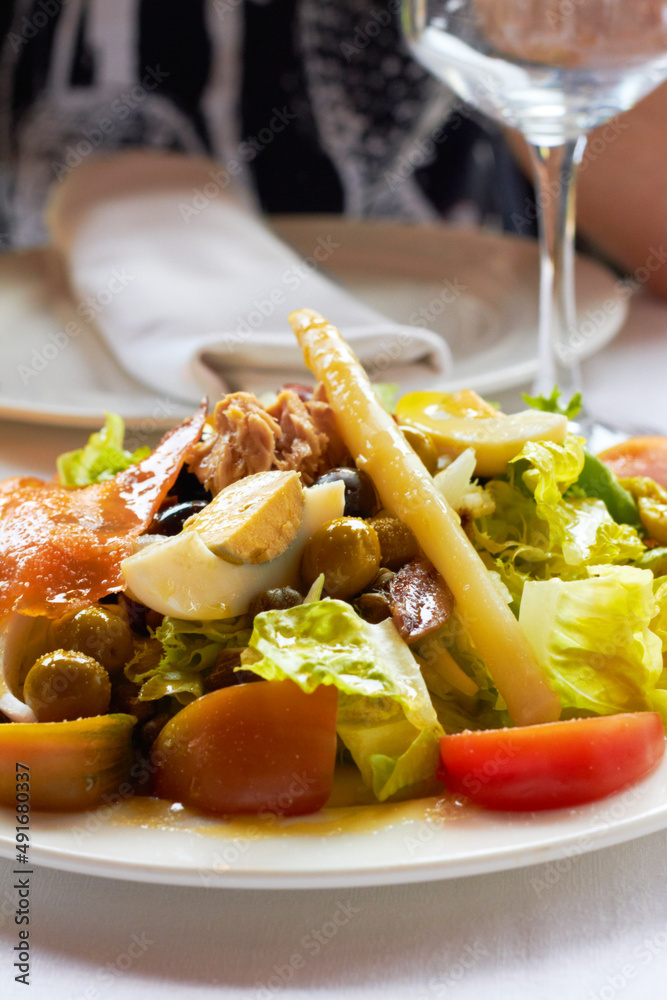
125 698
275 600
347 551
170 520
361 500
373 607
422 444
397 543
151 729
65 685
222 674
98 632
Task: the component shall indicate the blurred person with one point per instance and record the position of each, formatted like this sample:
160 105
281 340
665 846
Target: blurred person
310 105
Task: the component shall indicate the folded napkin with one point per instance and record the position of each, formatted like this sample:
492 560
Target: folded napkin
191 290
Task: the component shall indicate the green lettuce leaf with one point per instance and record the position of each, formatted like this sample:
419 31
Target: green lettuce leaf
551 404
597 480
188 650
387 393
544 525
385 715
101 458
594 640
456 709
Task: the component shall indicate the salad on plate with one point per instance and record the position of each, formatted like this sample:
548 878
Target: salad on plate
444 597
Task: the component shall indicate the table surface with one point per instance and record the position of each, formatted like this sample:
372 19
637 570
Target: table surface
592 927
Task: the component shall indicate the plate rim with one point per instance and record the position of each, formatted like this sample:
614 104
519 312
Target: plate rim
597 834
509 376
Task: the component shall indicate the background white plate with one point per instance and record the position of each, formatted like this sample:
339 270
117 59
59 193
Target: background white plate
363 845
479 290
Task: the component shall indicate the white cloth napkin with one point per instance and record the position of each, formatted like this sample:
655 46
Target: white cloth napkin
191 290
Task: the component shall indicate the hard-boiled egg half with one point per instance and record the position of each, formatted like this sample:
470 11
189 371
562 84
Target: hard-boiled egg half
249 539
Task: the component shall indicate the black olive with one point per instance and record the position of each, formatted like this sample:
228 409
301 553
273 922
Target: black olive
188 487
170 520
361 500
140 618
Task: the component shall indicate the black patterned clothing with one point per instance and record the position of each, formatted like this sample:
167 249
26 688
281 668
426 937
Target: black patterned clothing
314 105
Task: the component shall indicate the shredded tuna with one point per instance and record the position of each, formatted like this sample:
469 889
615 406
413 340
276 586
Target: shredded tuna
61 549
291 434
420 600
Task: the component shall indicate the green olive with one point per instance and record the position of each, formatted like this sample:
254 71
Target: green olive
65 685
98 632
397 543
347 551
422 444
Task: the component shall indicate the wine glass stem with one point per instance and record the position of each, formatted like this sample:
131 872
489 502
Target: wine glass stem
555 171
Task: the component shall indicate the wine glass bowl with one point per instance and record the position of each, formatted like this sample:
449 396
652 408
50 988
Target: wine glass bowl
554 70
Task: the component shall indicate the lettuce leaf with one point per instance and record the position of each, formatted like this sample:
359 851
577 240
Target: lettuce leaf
456 710
387 393
552 404
188 650
594 640
544 524
655 560
597 480
101 458
385 715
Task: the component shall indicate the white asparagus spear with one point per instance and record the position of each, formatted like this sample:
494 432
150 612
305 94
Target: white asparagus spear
407 491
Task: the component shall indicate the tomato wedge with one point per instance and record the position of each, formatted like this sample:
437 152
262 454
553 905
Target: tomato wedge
253 748
554 765
639 456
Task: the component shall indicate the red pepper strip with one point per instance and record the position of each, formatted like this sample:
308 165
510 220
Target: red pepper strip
61 549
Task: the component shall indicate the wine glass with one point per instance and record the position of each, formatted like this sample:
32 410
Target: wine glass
554 70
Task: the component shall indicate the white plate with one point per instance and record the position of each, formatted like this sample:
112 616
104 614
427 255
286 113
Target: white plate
479 291
49 375
363 845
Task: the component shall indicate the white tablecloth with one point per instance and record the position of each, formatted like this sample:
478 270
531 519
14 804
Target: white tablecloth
592 927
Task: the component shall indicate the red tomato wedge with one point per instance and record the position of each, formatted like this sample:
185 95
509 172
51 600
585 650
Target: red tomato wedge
639 456
254 748
554 765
